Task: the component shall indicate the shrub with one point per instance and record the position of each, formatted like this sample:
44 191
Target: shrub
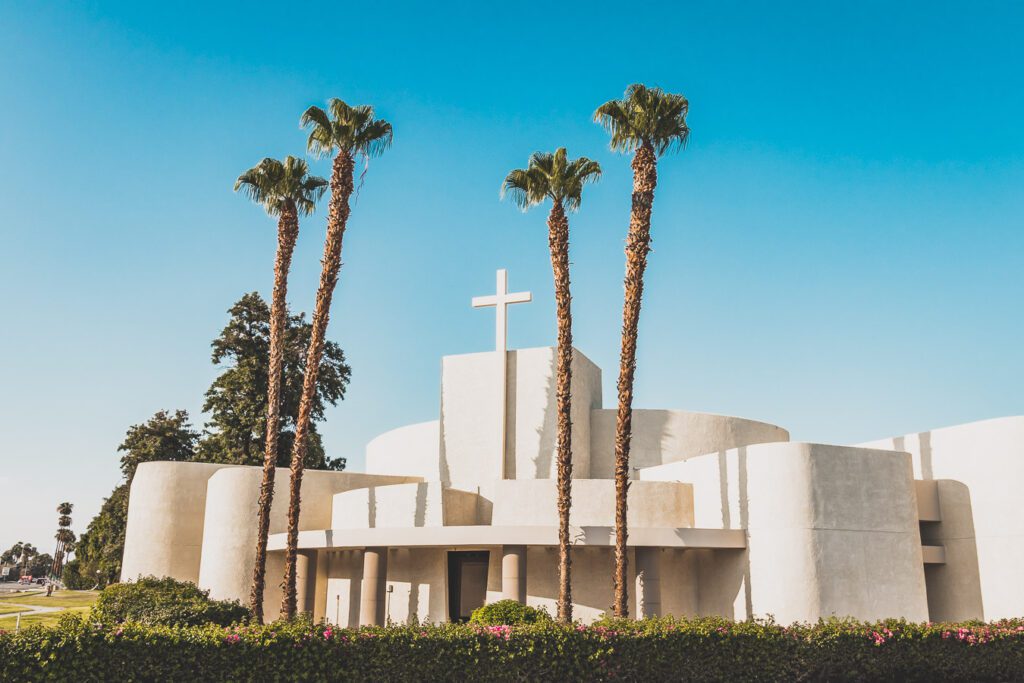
507 613
165 602
622 650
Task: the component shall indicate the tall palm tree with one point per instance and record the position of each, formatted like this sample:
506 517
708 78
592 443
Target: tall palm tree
647 122
285 189
63 536
349 133
555 177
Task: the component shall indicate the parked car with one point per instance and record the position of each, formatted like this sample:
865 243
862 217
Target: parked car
27 580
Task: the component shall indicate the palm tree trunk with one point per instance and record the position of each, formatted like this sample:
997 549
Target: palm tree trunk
337 218
638 244
287 234
558 241
56 559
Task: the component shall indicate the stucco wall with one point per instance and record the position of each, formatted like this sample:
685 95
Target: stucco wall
534 503
664 436
229 539
412 450
832 530
987 458
404 505
471 416
166 511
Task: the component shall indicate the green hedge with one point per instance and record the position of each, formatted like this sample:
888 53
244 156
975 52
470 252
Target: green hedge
650 650
164 602
507 613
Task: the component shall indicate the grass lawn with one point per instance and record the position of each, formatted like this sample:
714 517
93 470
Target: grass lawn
58 599
10 609
45 619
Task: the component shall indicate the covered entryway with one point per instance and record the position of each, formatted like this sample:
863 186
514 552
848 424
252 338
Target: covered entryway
467 583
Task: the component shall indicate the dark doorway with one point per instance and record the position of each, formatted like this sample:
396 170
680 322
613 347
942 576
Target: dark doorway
467 583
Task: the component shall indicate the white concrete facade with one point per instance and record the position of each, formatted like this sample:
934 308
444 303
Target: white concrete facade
727 516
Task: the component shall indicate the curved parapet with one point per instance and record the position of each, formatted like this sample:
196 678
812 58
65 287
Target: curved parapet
410 450
664 436
831 530
423 504
229 541
533 502
981 526
166 511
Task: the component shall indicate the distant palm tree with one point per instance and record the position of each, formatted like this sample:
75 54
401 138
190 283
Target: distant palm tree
63 536
285 190
348 132
647 122
554 177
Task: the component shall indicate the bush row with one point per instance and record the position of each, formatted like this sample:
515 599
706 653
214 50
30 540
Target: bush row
656 649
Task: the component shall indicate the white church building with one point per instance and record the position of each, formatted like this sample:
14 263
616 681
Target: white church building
727 516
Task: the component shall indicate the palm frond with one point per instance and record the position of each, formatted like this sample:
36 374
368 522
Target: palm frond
321 135
520 186
551 176
645 116
375 138
276 185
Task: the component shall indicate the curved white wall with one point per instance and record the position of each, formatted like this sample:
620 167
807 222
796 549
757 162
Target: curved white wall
166 506
229 541
664 436
987 459
394 506
831 530
413 450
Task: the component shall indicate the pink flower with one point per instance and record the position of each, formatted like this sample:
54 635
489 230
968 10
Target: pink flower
328 633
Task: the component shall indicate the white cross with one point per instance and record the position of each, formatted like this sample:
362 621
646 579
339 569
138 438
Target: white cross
501 301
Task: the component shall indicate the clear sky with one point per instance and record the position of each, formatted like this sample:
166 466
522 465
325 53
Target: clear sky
838 251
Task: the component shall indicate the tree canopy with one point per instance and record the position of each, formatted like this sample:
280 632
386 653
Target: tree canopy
278 186
349 129
165 436
645 116
551 176
237 399
237 404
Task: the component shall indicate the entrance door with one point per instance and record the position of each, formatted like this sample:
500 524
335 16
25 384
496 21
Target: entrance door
467 583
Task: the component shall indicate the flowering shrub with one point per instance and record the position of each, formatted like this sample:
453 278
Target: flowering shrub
704 649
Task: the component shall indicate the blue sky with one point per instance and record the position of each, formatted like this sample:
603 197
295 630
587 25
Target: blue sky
837 251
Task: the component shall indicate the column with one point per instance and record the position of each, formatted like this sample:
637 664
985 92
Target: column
513 573
305 564
648 582
372 596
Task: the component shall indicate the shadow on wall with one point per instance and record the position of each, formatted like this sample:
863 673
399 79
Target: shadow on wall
727 573
547 434
953 588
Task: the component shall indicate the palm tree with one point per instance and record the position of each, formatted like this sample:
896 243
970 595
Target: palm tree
554 177
66 543
348 132
63 536
285 190
647 122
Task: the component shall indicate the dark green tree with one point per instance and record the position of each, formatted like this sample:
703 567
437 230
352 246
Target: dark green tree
99 549
165 436
237 399
16 552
